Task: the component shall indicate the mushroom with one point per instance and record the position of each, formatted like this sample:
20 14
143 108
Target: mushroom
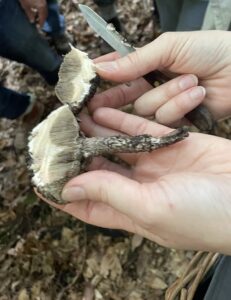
78 80
59 151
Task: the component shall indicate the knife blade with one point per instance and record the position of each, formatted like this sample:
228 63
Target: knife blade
106 31
199 116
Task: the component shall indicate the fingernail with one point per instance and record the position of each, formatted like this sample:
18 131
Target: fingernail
197 92
107 66
187 82
73 193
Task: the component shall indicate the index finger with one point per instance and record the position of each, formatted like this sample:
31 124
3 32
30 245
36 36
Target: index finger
107 57
42 15
153 56
127 123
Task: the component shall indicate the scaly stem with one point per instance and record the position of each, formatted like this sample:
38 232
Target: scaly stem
96 146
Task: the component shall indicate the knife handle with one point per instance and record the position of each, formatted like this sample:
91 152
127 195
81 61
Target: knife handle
199 116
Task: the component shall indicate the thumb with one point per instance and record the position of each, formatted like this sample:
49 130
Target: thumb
148 58
117 191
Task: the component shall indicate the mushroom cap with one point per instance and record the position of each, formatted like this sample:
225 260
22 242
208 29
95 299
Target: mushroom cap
55 152
77 80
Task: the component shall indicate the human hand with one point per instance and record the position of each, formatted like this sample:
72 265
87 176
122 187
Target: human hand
202 56
36 10
178 196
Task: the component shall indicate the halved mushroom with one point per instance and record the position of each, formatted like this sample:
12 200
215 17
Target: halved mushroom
51 145
78 80
59 152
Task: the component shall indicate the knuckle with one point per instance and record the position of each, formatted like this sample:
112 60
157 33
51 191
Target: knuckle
104 99
103 194
102 190
160 116
132 58
122 95
167 93
167 42
89 211
172 88
134 61
166 36
182 106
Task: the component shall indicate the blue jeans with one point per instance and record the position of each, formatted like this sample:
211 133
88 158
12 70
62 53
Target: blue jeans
55 23
12 104
20 41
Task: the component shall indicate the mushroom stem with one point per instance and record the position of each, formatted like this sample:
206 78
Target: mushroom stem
96 146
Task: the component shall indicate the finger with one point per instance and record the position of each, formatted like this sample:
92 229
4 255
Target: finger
140 62
179 106
99 214
91 128
180 123
127 123
107 57
149 102
123 194
100 163
31 15
95 213
42 15
120 95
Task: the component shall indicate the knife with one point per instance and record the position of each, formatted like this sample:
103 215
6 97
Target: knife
199 116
